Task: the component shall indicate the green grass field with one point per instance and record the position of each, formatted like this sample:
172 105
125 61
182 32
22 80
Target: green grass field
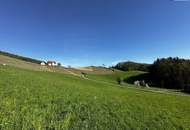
34 100
112 77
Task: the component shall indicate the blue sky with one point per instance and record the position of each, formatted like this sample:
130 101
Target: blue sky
95 32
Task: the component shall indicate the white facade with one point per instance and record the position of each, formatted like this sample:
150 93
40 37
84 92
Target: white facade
52 64
42 63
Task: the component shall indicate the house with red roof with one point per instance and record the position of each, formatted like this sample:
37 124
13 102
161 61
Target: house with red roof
51 63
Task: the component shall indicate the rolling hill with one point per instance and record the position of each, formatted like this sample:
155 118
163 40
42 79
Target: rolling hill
50 100
33 64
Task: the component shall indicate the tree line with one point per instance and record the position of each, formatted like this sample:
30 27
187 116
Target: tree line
20 57
171 73
130 66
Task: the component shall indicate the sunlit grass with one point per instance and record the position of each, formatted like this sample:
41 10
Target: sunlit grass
44 100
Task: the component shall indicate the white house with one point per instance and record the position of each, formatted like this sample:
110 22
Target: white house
43 63
51 63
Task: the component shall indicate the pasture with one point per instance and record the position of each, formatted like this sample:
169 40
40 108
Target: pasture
37 100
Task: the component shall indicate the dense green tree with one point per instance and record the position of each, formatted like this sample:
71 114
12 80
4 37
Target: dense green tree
173 73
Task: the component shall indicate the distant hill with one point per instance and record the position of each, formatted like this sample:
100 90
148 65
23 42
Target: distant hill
21 62
33 64
20 57
129 66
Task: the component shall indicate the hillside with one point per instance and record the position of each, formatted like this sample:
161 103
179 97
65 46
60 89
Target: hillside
21 63
45 100
112 77
27 59
33 64
132 66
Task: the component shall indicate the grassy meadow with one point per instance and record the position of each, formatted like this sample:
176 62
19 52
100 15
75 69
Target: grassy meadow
112 77
37 100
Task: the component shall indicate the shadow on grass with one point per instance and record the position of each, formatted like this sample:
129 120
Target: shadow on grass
185 91
145 77
148 79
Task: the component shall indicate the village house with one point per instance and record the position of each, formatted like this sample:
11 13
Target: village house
51 63
43 63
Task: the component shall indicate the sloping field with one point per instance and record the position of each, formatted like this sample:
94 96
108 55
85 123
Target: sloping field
95 70
21 63
45 100
13 61
112 77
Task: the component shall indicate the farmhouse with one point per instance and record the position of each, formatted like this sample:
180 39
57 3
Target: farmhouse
43 63
51 63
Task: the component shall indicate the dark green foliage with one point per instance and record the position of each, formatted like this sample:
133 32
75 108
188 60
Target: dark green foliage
58 64
20 57
130 66
173 73
140 77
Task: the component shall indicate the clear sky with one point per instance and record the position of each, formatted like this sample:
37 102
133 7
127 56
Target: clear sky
95 32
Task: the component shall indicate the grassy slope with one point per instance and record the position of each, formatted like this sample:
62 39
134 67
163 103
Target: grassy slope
21 63
39 100
27 59
112 77
14 61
